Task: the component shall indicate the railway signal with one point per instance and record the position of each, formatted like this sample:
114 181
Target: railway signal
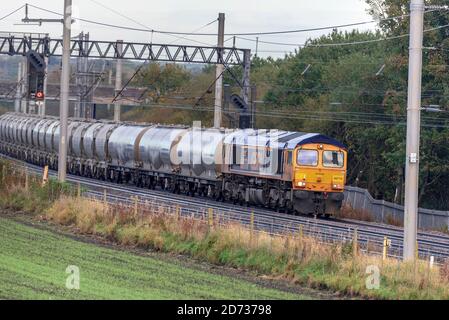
238 102
242 106
40 95
36 60
36 76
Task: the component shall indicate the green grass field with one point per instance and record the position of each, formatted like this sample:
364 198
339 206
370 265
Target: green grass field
33 263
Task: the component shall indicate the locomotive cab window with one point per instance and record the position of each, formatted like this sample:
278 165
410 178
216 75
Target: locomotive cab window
307 157
333 159
289 157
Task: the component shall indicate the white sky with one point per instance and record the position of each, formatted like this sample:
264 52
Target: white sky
187 16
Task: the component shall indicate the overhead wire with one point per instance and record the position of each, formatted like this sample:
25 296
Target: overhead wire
172 33
200 28
227 34
147 29
11 13
360 121
238 35
300 110
136 72
312 116
150 29
145 62
337 44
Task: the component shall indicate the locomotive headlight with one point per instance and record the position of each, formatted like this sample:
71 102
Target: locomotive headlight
301 184
337 186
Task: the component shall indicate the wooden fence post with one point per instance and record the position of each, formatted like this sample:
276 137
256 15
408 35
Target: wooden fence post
136 205
105 199
387 243
78 192
27 180
45 176
211 218
431 262
417 251
251 228
355 241
177 212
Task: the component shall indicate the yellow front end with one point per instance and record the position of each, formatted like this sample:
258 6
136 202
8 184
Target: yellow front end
319 168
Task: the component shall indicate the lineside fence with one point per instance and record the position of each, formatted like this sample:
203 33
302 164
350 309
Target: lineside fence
275 227
388 212
256 224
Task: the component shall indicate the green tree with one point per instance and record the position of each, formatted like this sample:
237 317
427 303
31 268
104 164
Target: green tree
162 80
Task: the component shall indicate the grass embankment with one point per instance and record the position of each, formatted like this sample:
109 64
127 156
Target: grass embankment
302 260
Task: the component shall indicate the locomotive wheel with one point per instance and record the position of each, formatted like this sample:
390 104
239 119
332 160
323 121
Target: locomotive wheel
276 206
288 207
138 182
190 190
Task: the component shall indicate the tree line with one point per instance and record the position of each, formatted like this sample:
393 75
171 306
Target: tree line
355 93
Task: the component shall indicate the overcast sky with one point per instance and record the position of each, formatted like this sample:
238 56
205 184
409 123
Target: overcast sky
188 16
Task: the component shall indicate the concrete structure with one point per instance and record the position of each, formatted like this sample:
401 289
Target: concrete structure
384 211
65 88
118 80
413 128
218 112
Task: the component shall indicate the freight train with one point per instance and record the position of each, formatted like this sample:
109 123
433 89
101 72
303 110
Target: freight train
295 172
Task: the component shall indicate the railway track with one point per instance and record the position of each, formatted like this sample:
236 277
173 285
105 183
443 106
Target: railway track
370 235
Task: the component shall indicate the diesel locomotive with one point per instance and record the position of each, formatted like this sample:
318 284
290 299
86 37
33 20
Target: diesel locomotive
291 171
